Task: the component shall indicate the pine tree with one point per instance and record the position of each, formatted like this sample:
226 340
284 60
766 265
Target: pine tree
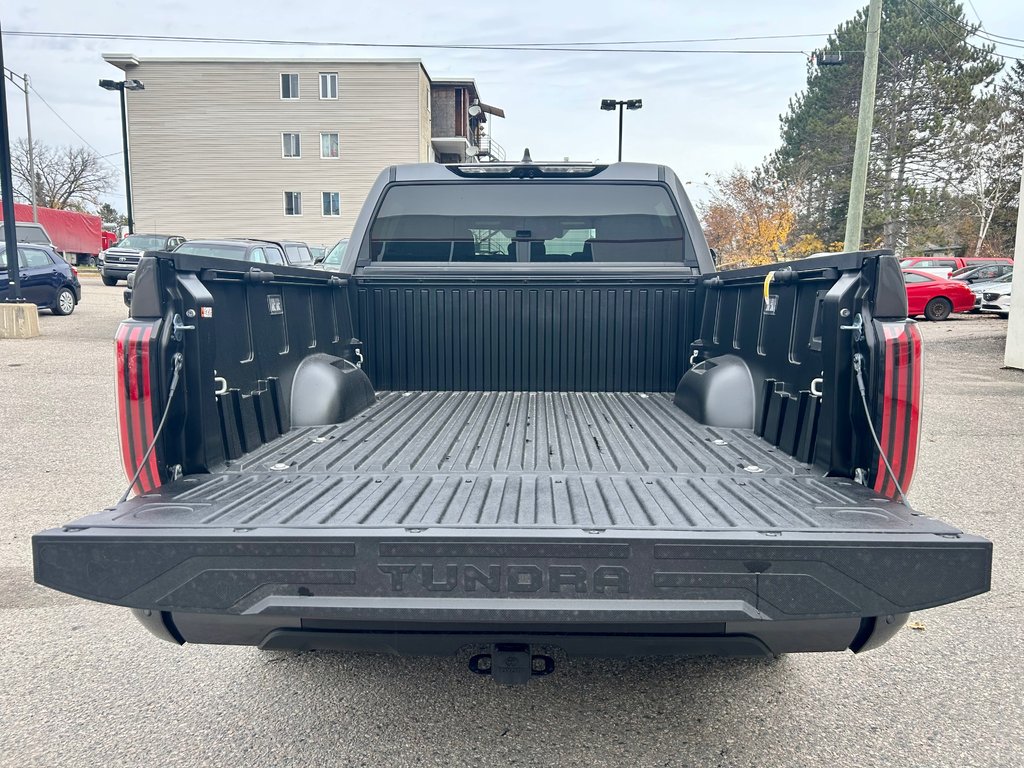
929 70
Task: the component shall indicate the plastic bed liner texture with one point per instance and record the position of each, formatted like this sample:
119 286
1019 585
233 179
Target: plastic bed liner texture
478 459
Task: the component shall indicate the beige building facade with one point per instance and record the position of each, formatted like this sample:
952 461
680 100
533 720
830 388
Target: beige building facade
282 149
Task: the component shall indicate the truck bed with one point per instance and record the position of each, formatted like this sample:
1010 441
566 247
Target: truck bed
522 459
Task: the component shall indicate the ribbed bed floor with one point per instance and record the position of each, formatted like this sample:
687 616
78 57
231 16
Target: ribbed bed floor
602 460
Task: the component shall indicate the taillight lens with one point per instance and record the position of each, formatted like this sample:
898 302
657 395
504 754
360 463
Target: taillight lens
135 363
74 272
900 412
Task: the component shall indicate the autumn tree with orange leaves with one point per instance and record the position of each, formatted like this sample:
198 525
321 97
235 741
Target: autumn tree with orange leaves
749 219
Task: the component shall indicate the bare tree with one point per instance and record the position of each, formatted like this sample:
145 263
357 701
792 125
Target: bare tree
66 177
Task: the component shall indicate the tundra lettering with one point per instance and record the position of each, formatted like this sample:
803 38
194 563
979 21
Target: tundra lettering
517 578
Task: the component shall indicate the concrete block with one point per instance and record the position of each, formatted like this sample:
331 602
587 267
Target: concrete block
18 321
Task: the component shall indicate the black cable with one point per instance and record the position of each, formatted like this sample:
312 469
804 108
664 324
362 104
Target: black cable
858 367
71 128
964 28
178 358
331 43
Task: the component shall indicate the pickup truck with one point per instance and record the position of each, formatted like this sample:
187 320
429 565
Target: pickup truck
527 414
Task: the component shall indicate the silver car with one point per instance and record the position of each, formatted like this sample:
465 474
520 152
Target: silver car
997 300
979 289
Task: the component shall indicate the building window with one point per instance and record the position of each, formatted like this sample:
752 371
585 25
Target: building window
292 203
290 145
332 204
289 86
328 145
328 85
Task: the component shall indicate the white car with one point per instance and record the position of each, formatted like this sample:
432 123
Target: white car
978 289
997 300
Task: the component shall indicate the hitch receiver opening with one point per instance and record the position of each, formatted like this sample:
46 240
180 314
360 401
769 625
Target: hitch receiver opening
512 664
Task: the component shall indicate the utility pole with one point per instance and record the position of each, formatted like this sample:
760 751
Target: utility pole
865 121
31 152
31 148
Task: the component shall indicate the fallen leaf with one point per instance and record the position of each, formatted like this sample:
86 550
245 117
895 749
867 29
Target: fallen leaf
918 625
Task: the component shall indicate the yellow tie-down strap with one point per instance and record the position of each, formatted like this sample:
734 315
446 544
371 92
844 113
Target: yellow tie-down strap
769 300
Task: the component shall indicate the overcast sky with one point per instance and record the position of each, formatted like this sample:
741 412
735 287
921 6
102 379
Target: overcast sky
702 113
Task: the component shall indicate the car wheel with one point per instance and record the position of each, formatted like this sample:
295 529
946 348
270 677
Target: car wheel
938 308
64 304
109 280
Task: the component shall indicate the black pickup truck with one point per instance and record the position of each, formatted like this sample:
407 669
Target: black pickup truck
527 414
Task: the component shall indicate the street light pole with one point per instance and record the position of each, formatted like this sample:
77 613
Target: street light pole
7 192
631 104
621 105
127 164
121 86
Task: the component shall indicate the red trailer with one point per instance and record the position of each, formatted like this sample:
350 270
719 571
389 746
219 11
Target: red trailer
77 235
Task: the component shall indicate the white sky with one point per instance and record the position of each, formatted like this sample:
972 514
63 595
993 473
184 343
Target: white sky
702 113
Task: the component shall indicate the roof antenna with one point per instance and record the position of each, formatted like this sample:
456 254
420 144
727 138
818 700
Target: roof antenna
526 156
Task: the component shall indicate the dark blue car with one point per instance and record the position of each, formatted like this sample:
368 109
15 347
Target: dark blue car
46 279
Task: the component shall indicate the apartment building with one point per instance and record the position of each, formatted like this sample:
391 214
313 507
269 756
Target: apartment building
284 149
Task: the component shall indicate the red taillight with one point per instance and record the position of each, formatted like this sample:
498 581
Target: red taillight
135 402
74 272
900 418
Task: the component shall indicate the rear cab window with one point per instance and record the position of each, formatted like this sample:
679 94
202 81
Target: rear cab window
214 250
298 254
501 223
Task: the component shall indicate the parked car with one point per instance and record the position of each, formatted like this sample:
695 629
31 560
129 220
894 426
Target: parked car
935 297
985 273
331 262
27 232
118 261
47 280
257 251
319 253
943 266
997 300
989 285
297 253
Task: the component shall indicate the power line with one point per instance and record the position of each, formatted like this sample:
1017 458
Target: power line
690 40
71 128
972 31
565 48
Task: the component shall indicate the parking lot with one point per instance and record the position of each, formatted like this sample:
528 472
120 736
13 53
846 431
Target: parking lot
82 683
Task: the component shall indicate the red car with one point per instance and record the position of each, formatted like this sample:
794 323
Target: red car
935 297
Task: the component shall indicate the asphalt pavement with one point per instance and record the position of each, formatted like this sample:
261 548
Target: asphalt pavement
84 684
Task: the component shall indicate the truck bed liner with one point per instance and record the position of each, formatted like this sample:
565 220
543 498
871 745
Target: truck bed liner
478 459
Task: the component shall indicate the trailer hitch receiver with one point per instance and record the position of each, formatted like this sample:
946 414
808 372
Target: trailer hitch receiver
512 664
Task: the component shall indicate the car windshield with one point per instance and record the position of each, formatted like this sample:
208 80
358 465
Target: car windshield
143 242
337 252
526 222
216 250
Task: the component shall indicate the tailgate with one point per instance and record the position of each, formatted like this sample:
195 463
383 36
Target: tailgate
529 575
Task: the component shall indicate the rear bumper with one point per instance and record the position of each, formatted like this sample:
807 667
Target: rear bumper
555 581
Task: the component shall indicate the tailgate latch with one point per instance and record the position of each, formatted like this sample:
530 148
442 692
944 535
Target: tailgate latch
512 664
